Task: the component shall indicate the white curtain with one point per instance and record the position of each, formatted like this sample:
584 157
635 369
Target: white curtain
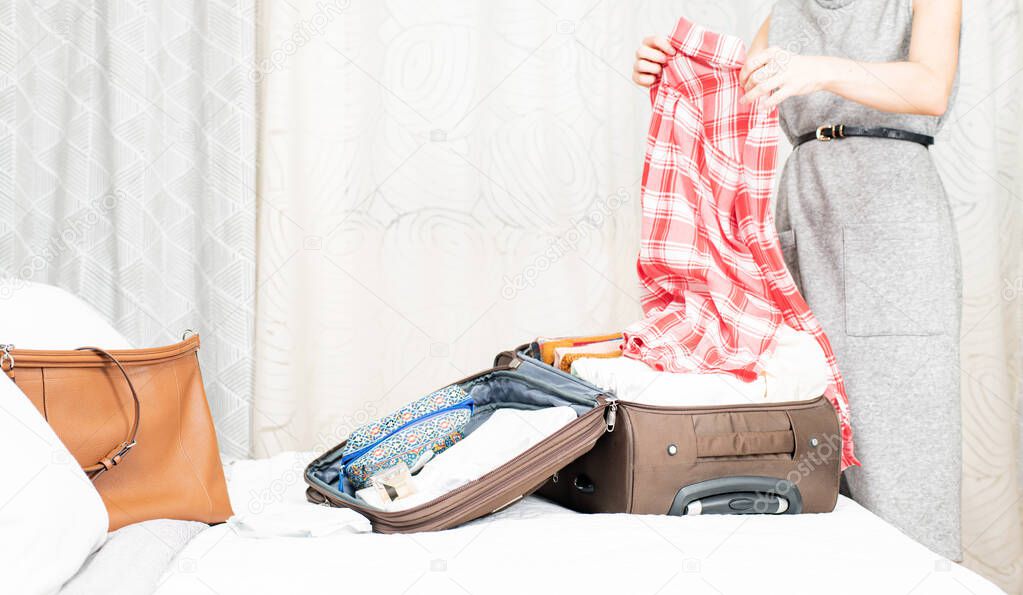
978 155
127 153
984 170
443 180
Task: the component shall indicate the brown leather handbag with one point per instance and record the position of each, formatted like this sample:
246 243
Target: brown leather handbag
138 423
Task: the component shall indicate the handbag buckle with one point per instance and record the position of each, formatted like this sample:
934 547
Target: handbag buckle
6 357
126 447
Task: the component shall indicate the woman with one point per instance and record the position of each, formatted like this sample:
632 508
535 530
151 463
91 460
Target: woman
867 231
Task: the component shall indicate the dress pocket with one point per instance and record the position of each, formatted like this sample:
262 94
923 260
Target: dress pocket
787 240
899 279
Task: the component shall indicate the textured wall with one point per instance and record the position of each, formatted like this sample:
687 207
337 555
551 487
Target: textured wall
127 172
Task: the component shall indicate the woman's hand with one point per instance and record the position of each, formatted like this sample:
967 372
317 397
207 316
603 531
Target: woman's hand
780 74
651 57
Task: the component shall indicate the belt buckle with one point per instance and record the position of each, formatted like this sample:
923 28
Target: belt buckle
831 133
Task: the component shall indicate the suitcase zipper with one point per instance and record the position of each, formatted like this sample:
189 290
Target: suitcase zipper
612 414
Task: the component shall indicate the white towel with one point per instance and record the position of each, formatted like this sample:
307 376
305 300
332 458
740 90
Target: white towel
507 434
797 370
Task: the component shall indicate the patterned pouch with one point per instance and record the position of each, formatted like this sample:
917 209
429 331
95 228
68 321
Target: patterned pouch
430 424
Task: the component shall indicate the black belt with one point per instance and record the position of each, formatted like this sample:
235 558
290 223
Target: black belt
826 134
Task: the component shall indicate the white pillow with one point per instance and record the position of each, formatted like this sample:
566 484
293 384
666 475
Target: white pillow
38 316
51 517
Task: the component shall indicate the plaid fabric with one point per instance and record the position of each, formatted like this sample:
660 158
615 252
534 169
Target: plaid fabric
715 286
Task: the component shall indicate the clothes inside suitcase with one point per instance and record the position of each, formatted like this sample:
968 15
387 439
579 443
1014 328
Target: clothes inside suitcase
770 458
509 384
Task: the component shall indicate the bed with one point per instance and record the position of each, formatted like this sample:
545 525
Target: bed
531 546
536 546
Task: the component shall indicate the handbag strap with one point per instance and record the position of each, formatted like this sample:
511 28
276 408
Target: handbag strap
117 453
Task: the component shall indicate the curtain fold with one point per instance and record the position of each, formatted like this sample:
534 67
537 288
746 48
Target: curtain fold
978 158
440 181
127 173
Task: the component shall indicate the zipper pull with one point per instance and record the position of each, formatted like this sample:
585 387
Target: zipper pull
6 358
612 414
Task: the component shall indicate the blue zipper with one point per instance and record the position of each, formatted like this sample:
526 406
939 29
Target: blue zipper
466 404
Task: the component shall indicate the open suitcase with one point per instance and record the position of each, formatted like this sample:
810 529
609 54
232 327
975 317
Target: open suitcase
515 382
778 458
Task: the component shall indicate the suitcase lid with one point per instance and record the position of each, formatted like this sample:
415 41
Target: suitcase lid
500 487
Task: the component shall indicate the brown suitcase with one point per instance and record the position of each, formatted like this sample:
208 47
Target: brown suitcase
512 382
625 457
772 458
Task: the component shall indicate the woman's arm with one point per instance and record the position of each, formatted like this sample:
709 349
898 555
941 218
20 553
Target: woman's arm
919 85
760 40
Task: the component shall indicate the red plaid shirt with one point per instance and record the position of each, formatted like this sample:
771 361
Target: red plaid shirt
715 285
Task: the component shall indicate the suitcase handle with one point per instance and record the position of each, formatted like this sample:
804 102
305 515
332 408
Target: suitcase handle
584 484
744 494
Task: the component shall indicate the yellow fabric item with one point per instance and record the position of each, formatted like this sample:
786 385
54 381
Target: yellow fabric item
566 360
547 346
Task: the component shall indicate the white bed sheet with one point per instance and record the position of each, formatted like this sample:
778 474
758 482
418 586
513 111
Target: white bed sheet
539 547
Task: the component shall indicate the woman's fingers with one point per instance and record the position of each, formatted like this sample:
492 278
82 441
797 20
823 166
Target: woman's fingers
752 79
643 80
658 42
764 88
779 96
650 58
651 54
761 74
755 62
645 66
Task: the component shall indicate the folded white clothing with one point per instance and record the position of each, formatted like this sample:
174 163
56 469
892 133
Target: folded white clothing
795 370
632 380
507 434
299 520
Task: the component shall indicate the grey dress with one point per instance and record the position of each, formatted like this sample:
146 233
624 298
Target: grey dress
867 232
